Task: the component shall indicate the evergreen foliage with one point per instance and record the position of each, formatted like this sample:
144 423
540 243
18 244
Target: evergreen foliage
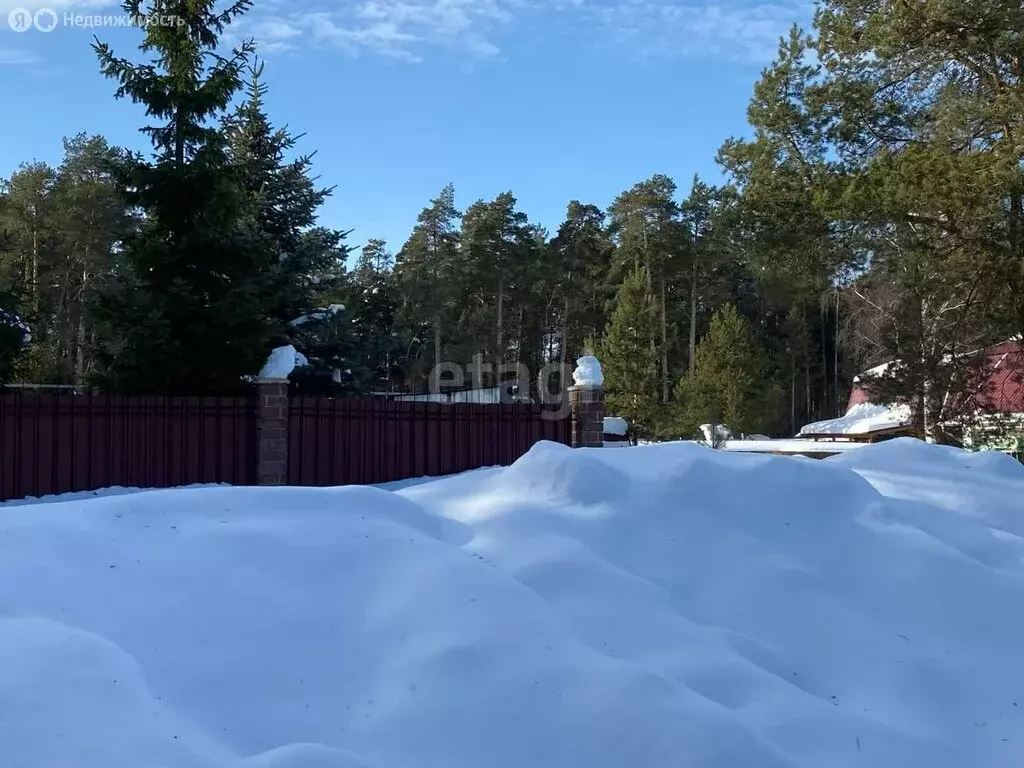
728 385
629 362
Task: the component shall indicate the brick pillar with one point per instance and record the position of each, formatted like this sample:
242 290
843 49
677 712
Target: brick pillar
586 403
272 432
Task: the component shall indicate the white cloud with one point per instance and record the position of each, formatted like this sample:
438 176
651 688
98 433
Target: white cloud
17 56
723 30
401 29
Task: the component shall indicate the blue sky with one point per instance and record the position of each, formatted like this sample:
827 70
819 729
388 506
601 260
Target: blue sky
553 99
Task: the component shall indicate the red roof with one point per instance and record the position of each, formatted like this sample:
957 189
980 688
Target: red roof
1003 390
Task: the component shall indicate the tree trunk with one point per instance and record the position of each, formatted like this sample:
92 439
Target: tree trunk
35 258
80 331
499 350
824 361
1014 224
565 333
436 378
664 347
792 393
922 407
693 320
807 368
650 294
835 362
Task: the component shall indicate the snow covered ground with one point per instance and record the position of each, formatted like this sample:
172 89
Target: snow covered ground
665 606
792 445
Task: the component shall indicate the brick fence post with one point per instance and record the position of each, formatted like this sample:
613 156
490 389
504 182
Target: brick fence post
272 432
586 403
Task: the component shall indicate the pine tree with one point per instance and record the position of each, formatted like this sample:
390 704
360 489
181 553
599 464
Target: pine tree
190 314
648 232
581 252
29 214
728 386
374 262
92 221
627 359
379 348
425 272
497 243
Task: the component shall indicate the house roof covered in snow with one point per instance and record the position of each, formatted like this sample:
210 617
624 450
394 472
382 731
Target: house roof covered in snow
862 419
1001 392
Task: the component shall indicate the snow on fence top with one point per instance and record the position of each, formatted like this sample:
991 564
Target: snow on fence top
862 419
281 362
588 372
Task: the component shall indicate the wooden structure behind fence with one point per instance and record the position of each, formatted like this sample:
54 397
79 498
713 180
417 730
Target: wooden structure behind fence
57 443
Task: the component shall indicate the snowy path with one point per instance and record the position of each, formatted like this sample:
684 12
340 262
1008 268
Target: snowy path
664 606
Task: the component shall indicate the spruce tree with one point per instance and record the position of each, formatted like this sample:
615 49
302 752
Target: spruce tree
629 362
728 385
305 263
189 315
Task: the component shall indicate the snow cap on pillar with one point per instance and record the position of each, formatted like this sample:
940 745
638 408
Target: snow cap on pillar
281 362
588 372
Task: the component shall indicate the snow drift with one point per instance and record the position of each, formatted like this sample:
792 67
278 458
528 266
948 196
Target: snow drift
665 606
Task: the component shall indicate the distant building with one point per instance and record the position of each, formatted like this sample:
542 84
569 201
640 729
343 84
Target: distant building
993 415
507 393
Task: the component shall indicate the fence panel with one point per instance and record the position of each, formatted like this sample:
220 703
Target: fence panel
57 443
375 440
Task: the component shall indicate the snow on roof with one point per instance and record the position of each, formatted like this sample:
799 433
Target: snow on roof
320 314
588 372
878 370
615 425
862 419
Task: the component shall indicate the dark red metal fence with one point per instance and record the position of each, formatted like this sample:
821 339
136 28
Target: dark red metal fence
59 443
365 441
56 443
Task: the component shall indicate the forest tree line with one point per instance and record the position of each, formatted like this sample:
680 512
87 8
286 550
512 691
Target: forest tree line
873 214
